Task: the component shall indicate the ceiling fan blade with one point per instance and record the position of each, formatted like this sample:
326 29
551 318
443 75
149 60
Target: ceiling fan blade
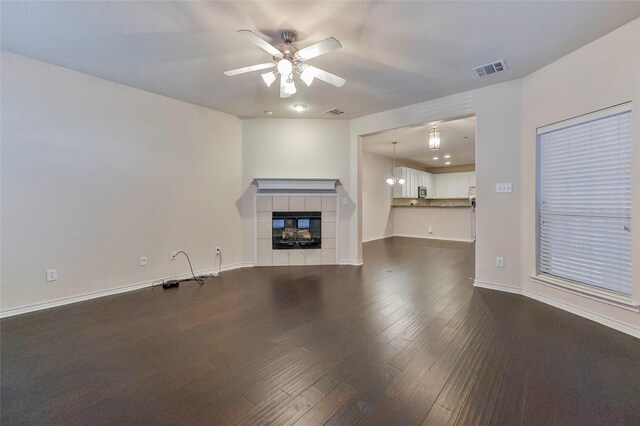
250 68
283 80
320 48
261 43
327 77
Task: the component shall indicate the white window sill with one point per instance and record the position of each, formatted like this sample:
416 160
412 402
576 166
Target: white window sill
588 292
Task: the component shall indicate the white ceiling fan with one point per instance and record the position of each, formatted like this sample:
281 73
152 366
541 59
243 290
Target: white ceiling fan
289 61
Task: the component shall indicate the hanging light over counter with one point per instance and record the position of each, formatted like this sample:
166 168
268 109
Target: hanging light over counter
434 138
394 177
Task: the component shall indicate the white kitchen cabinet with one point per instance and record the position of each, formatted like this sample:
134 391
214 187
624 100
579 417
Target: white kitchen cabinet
453 185
442 185
413 179
462 184
397 190
410 183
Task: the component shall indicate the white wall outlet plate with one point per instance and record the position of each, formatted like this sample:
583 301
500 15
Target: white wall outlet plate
218 251
173 255
430 230
499 262
52 274
143 261
503 187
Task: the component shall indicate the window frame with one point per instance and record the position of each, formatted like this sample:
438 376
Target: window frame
586 290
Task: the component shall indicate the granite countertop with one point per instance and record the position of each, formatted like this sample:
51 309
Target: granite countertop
432 207
440 202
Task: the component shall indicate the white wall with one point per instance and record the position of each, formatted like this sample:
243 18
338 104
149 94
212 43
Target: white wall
497 109
296 148
447 223
377 214
606 72
96 174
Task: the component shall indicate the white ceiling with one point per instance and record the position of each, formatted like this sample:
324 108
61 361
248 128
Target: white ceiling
394 53
457 139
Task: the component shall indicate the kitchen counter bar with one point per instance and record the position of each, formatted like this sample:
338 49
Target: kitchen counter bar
433 202
433 207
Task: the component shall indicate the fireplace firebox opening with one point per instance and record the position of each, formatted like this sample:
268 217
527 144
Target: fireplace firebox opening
296 230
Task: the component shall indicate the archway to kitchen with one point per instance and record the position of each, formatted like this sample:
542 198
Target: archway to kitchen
424 199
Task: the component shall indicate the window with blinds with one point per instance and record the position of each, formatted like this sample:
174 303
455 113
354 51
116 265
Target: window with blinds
584 200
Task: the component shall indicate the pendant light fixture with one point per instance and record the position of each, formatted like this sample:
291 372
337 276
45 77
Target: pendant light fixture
434 138
394 177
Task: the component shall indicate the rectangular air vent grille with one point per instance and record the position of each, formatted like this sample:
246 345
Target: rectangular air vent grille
492 68
334 111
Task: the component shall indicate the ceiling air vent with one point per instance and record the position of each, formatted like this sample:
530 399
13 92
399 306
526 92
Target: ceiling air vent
493 68
334 111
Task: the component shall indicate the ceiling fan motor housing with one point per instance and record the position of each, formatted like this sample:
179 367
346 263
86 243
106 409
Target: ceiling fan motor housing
288 36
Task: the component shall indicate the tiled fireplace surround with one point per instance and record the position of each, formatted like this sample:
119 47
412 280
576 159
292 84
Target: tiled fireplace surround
267 204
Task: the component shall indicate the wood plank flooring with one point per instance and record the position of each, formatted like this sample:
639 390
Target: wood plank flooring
404 340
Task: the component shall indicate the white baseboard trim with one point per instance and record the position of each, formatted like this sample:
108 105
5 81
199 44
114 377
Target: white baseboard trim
378 238
499 287
600 319
461 240
112 291
351 262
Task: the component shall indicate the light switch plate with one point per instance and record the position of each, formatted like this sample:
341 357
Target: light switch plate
143 261
52 274
499 262
503 187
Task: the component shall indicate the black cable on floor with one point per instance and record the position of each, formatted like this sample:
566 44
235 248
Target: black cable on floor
198 280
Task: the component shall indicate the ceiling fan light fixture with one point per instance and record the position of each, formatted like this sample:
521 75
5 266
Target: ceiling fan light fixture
290 87
269 78
285 67
308 75
288 62
434 138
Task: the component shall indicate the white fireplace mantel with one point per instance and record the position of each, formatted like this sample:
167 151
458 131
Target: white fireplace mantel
297 184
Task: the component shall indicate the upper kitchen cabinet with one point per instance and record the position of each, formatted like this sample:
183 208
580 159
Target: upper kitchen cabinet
454 185
442 185
413 179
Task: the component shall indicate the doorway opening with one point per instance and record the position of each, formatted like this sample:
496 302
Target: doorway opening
428 190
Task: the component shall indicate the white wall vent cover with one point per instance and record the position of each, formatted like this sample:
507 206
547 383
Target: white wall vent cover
492 68
334 111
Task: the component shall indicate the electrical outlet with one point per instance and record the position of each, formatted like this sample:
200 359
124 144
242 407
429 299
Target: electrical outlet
503 187
52 274
143 260
218 251
173 255
499 262
430 230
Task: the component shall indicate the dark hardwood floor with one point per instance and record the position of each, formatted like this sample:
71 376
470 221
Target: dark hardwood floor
405 340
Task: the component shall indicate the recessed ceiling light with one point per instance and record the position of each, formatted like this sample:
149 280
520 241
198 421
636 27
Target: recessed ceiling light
435 158
447 163
447 156
299 107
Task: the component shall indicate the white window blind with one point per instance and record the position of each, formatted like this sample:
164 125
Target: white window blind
584 200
